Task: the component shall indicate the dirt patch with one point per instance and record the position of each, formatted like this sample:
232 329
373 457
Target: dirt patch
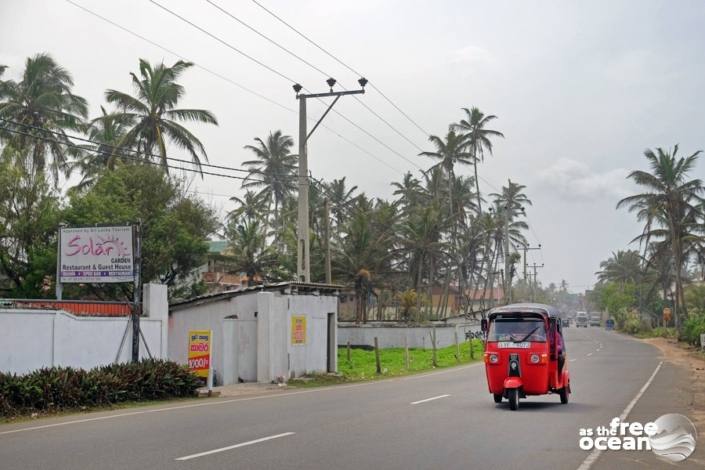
694 362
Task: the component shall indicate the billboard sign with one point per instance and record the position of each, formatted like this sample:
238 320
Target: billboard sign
298 329
96 254
199 352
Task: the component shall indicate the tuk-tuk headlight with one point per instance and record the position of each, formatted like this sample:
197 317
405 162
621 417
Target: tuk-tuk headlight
493 358
534 359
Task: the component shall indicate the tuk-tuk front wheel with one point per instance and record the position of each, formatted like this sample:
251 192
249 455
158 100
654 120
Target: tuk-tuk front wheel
497 397
513 395
564 395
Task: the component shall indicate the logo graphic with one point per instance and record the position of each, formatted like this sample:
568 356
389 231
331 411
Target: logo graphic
671 437
675 439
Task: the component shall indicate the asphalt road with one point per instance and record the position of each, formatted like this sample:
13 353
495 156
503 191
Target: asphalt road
445 419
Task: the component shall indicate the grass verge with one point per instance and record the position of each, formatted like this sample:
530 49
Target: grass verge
362 367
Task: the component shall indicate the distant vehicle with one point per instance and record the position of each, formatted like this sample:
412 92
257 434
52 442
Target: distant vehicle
581 320
595 319
609 324
565 322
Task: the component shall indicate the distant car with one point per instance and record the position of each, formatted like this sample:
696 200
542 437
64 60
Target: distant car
581 320
595 319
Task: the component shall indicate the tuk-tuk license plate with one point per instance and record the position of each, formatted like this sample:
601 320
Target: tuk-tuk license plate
512 344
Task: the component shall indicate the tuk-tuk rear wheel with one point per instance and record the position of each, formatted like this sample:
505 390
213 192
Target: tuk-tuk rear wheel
564 395
497 397
513 395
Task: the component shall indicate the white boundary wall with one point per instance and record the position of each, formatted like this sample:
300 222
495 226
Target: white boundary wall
393 336
32 339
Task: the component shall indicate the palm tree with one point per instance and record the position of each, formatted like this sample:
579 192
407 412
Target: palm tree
622 267
479 139
341 197
248 248
450 151
252 206
669 208
274 169
154 114
107 132
38 110
513 198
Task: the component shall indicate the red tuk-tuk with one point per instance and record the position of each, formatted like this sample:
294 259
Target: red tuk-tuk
525 353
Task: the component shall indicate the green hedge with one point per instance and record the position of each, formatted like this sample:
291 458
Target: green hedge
61 388
693 327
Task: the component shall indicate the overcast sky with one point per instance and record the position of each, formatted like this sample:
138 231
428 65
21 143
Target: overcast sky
580 90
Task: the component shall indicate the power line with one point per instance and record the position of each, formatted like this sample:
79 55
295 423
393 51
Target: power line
230 46
290 52
119 150
129 157
332 56
239 85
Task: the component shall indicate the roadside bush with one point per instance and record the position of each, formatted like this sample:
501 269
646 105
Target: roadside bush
693 327
60 388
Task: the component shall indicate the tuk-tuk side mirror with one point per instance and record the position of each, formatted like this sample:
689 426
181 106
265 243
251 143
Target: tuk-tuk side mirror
483 325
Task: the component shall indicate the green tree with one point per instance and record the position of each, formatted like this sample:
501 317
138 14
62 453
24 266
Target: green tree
175 226
479 137
274 168
249 250
622 267
669 207
38 111
154 116
29 217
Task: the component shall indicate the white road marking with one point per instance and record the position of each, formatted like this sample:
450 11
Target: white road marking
234 400
242 444
595 454
589 354
572 360
429 399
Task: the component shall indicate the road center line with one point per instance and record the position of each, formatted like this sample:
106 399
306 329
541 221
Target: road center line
429 399
242 444
589 354
595 454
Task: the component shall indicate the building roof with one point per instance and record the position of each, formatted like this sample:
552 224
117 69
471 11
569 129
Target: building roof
286 287
217 246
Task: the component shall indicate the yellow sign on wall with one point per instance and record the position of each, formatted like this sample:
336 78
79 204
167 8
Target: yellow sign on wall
199 352
298 329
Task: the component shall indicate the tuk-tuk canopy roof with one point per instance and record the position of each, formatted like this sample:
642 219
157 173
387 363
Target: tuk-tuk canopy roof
549 310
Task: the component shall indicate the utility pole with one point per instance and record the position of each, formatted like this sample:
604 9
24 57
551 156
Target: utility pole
507 264
303 258
326 236
528 248
535 267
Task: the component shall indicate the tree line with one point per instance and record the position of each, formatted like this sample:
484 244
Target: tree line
438 231
660 282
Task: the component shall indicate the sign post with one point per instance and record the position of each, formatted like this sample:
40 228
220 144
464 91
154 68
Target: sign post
100 255
200 347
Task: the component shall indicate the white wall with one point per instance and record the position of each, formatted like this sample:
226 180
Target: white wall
207 316
257 345
32 339
393 336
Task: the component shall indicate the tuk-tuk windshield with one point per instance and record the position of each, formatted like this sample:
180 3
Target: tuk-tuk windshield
517 329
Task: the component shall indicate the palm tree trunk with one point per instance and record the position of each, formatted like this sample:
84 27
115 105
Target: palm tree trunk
477 184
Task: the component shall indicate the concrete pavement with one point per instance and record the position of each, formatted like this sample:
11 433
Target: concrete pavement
444 420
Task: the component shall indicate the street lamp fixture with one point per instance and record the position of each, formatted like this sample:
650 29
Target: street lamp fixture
297 88
362 81
331 83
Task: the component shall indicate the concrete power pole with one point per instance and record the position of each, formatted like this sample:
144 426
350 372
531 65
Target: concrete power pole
535 267
326 240
507 264
303 256
527 248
